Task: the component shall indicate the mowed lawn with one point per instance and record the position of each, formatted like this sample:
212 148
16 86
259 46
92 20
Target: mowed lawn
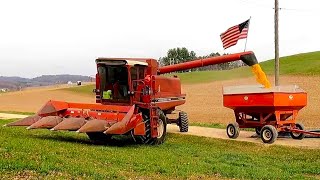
45 154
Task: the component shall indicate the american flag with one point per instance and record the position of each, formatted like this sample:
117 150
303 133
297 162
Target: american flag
231 36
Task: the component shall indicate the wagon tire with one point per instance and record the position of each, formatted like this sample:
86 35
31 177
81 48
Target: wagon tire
298 136
269 134
183 122
233 130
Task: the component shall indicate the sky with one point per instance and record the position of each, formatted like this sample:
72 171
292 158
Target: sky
66 36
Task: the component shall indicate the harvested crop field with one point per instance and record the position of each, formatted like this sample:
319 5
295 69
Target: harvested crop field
204 101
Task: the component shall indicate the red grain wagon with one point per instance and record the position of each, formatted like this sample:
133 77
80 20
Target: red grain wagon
269 111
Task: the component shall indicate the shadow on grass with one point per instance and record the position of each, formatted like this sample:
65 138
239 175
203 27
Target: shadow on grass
117 141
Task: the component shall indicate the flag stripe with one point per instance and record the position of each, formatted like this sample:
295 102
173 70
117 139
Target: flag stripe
230 30
231 43
235 34
231 36
244 33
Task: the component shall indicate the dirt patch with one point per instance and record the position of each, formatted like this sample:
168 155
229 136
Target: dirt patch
11 116
310 143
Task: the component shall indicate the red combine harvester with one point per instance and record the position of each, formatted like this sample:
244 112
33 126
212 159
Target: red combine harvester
131 98
269 111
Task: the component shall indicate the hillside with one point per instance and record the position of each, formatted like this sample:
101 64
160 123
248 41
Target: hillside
16 83
299 64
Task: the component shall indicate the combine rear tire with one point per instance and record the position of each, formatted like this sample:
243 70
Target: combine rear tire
298 135
183 122
99 137
162 129
269 134
233 130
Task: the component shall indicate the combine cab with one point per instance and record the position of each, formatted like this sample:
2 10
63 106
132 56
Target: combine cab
131 98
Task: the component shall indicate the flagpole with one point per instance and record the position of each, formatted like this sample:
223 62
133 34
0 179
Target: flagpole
245 46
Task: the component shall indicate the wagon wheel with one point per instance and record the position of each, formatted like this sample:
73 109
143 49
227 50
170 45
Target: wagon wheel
233 130
269 134
183 122
295 135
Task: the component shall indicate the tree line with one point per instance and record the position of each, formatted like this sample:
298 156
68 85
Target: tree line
180 55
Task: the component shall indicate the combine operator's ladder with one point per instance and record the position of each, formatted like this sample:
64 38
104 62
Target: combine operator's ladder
143 89
154 116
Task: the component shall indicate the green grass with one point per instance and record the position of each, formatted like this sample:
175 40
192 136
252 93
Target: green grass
210 125
17 112
217 125
208 76
66 155
299 64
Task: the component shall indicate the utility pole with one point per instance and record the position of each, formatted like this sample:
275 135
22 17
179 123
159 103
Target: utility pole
276 41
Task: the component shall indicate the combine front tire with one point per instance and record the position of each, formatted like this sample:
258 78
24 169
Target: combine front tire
183 122
298 135
233 130
161 128
269 134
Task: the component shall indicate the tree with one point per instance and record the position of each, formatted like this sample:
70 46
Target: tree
177 55
180 55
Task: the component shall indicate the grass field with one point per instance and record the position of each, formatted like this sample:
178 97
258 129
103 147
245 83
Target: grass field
42 153
16 112
299 64
84 89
